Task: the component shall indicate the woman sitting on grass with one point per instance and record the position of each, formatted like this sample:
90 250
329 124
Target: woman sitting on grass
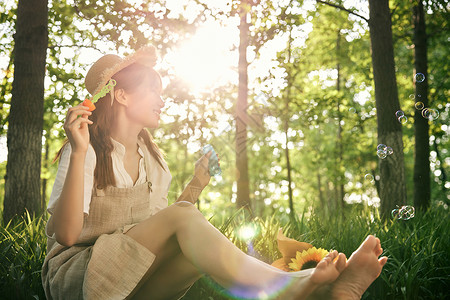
111 234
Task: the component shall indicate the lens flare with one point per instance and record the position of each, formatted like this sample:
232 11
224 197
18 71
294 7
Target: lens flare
246 232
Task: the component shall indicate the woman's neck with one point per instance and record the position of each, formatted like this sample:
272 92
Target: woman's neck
128 137
125 131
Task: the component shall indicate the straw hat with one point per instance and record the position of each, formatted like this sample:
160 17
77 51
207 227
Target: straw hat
105 67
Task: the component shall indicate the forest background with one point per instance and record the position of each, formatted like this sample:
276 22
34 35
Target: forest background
293 112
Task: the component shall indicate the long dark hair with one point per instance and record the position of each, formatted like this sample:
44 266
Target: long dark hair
104 114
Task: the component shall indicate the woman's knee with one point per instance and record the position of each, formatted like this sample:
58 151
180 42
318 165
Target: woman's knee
185 208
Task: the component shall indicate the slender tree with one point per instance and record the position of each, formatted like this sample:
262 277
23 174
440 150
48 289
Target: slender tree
421 128
22 186
289 78
243 189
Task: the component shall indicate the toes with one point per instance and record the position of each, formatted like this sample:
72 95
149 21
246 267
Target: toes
378 251
369 244
333 254
322 264
383 260
341 262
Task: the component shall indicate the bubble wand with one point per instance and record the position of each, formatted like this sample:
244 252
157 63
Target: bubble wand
213 163
105 90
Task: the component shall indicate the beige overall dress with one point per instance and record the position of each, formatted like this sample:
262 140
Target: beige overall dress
105 263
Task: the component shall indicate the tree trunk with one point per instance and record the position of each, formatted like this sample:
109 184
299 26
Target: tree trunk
288 166
22 187
243 190
290 80
421 127
392 181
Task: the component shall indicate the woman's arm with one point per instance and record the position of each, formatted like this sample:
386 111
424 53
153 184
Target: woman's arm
68 217
192 191
200 180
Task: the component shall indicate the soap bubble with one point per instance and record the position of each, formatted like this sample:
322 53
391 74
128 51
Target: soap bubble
419 105
399 113
383 151
369 177
430 113
352 110
420 77
381 154
403 119
389 151
434 114
412 96
394 213
382 147
406 212
426 113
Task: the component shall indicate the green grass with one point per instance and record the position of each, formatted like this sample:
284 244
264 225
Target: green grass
22 252
418 266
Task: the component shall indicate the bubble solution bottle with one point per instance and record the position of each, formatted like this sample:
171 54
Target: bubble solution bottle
213 163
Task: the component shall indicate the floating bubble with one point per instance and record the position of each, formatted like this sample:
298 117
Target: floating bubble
389 151
419 105
403 119
412 96
407 212
382 154
352 110
420 96
420 77
399 113
382 147
426 113
369 177
434 114
394 213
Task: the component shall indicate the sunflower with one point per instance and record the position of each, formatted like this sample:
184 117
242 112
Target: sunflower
307 259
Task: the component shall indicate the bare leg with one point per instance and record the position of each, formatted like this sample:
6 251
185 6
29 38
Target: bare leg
212 253
170 280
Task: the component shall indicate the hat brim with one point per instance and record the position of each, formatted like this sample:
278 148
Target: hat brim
145 56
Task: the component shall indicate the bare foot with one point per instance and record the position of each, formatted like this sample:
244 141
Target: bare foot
307 281
363 267
329 268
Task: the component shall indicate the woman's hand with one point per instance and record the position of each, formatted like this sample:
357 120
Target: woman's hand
199 182
76 128
202 171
